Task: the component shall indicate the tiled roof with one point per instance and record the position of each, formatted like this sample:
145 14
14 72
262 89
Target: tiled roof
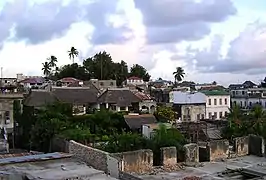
134 78
143 96
121 97
33 80
69 80
136 121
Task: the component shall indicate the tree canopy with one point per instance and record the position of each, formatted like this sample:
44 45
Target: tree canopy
99 66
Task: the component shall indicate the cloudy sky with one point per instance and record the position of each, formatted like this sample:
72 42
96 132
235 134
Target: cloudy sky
221 40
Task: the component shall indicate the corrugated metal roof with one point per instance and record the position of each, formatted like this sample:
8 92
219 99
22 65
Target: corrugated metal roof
31 158
187 98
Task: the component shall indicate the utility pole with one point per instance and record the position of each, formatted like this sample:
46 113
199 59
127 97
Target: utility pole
101 66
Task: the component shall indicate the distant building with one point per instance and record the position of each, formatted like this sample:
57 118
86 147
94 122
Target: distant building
134 81
189 106
217 104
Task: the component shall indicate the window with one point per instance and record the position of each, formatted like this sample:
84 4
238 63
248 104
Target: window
225 113
221 115
210 102
225 101
241 104
111 83
198 117
215 101
202 116
215 115
210 115
245 103
7 117
122 108
220 101
250 103
101 83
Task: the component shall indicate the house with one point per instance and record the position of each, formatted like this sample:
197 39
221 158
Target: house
217 103
67 81
148 130
8 81
246 84
82 98
6 109
147 104
160 83
189 106
134 81
34 82
246 98
136 121
102 85
205 85
119 99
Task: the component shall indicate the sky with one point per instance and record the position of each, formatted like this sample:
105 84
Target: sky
213 40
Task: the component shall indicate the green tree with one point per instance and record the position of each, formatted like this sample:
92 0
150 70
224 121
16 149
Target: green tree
259 119
73 70
165 114
72 53
139 71
46 69
179 74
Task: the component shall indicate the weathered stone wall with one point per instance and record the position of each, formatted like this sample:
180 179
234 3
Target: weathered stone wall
256 145
191 153
219 149
241 146
168 156
139 161
93 157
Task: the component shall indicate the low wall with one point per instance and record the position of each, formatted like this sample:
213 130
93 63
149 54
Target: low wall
241 146
96 158
219 149
127 176
139 161
191 153
256 145
168 156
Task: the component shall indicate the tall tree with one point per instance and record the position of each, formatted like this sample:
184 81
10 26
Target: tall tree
179 74
139 71
101 66
52 61
73 70
46 69
73 53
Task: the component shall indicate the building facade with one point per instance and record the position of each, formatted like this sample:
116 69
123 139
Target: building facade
217 104
189 106
246 98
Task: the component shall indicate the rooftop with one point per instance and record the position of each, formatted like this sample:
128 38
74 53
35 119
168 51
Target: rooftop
216 170
215 93
50 166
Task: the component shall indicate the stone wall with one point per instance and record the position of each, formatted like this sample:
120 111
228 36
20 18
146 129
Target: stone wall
127 176
139 161
241 146
191 153
219 149
168 156
256 145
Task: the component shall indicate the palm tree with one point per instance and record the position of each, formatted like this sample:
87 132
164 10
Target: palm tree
73 53
179 74
46 69
259 116
52 61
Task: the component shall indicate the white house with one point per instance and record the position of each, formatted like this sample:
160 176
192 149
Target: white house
134 81
217 103
246 98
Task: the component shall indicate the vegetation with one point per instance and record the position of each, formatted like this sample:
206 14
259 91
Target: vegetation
165 114
179 74
242 123
100 66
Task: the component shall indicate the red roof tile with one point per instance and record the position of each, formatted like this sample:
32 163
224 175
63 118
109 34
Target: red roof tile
134 78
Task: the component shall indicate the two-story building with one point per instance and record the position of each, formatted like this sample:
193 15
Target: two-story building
217 104
246 98
189 106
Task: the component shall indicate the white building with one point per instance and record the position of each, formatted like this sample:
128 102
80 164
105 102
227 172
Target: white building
134 81
246 98
217 104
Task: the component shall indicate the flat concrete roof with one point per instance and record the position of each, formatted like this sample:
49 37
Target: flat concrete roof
213 170
54 169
